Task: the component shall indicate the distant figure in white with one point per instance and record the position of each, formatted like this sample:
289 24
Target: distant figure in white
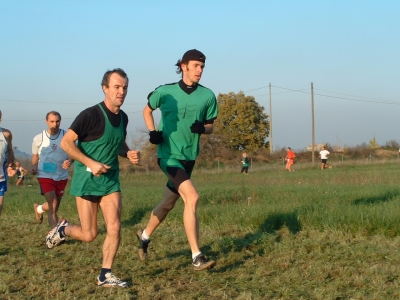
324 158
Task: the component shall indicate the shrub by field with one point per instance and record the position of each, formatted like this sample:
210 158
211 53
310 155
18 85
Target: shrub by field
308 234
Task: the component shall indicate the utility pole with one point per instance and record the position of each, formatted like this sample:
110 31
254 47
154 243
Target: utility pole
270 120
312 123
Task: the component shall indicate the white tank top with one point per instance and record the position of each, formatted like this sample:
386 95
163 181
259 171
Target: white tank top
51 156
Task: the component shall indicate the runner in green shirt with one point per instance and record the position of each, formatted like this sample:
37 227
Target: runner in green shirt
99 132
188 110
245 164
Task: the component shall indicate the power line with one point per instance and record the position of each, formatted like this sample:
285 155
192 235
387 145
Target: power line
348 95
271 94
335 97
293 90
52 102
359 100
41 120
288 90
257 89
44 102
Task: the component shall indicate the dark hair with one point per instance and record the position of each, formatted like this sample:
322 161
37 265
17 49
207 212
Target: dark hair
178 65
289 148
107 75
53 112
189 55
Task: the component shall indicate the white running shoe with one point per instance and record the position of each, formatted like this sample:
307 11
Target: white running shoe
54 238
111 281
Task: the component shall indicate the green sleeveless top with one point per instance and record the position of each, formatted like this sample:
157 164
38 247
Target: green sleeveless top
104 150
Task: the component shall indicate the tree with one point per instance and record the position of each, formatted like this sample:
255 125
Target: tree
241 122
373 144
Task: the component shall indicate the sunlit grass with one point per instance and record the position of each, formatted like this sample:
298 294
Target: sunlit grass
308 234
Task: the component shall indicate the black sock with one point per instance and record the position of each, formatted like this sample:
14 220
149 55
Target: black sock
103 273
61 231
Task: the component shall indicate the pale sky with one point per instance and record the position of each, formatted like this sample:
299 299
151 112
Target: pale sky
53 55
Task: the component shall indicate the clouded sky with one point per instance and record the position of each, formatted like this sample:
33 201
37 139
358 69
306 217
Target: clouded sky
53 55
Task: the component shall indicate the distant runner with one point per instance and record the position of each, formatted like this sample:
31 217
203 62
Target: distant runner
324 158
289 159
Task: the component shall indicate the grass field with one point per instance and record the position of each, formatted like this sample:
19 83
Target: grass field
309 234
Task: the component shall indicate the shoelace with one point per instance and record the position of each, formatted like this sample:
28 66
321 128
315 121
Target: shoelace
112 278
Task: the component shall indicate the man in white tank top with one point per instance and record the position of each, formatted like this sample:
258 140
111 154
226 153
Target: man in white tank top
6 157
50 163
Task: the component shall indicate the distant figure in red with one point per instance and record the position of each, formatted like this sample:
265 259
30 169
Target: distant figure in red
289 159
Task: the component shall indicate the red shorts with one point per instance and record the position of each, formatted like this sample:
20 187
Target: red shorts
49 185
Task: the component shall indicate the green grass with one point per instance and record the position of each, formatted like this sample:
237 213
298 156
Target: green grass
309 234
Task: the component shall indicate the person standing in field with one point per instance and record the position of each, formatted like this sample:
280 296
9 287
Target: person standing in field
50 163
188 110
6 158
290 155
100 133
324 158
245 164
21 172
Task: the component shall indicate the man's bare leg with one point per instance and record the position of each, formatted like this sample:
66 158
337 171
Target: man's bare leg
111 206
87 230
51 206
161 210
1 204
190 197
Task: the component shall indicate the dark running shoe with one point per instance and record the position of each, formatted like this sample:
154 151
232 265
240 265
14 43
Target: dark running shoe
111 281
202 263
142 246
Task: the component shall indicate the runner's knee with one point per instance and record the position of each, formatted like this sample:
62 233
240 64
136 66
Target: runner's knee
89 236
114 229
191 201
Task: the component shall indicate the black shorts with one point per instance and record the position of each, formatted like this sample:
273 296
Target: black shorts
177 171
92 198
324 160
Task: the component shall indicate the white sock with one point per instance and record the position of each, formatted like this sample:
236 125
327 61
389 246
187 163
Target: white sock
40 209
145 237
194 255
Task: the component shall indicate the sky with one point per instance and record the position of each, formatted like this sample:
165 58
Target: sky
53 56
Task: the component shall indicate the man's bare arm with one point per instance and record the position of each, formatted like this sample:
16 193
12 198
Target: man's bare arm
208 128
132 155
148 118
8 135
68 144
